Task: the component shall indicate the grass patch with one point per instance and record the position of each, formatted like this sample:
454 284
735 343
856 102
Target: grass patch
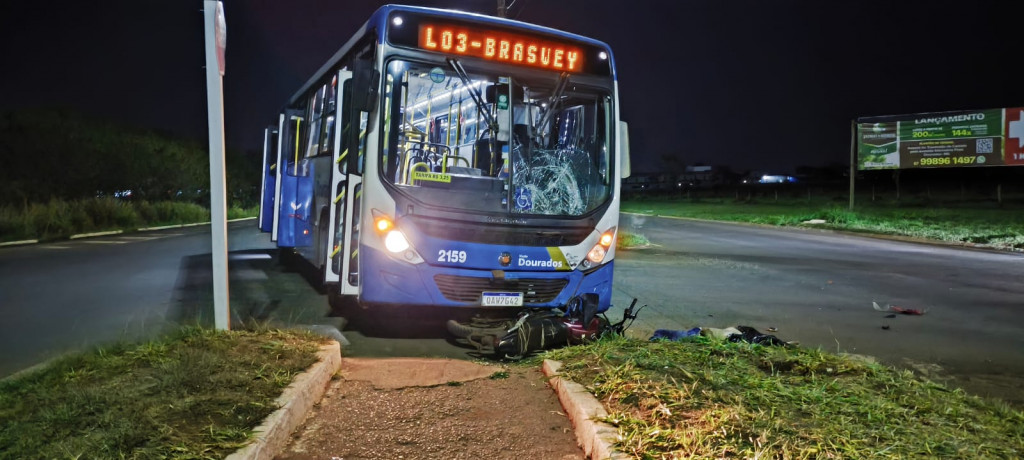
499 375
59 219
631 240
997 227
197 394
237 212
711 399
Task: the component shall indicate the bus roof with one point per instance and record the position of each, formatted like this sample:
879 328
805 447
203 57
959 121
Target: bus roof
379 20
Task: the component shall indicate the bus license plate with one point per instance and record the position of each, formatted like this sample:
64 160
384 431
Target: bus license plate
502 299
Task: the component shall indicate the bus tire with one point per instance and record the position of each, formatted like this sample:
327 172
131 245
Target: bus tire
322 243
342 305
287 257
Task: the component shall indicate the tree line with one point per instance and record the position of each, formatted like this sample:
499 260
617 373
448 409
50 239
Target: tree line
48 154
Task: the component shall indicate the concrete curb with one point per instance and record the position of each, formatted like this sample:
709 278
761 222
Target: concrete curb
272 436
814 228
595 437
166 227
87 235
18 243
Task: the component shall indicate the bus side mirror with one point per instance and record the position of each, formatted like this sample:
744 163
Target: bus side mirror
365 87
624 149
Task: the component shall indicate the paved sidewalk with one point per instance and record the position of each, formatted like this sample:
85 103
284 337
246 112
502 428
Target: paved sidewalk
409 408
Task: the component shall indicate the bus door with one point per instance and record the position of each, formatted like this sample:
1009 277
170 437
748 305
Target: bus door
296 184
346 186
340 211
357 97
268 188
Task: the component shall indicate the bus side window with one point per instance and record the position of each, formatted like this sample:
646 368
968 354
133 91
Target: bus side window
330 113
346 126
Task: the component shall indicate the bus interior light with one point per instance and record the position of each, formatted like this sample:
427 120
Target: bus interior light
397 21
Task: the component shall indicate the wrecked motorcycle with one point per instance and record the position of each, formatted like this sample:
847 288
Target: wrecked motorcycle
535 330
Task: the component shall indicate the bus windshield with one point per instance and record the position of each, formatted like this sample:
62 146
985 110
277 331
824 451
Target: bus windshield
488 142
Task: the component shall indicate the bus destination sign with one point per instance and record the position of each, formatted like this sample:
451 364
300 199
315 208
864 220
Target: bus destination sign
500 46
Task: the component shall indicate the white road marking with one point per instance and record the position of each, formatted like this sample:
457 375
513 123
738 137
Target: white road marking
249 256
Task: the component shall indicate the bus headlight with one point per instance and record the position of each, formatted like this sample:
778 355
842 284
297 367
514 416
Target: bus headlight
597 253
395 242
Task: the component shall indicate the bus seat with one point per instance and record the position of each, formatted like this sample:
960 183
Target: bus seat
521 134
482 156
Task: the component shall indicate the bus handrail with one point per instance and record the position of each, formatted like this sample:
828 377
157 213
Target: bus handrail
426 168
456 157
428 149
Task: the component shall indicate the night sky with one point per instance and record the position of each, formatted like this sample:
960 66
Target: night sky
764 85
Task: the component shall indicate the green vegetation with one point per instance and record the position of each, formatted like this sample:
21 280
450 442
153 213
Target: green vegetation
706 398
60 154
57 219
499 375
196 395
63 173
1001 227
631 240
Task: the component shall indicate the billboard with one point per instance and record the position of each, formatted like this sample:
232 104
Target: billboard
993 137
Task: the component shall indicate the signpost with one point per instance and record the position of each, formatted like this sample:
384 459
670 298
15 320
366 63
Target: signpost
993 137
216 38
967 138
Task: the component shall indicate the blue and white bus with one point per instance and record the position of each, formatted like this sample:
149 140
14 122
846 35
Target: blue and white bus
444 158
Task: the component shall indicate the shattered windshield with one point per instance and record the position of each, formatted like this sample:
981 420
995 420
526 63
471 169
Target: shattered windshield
498 143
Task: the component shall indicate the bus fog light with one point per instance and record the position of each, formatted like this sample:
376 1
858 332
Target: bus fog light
395 242
596 255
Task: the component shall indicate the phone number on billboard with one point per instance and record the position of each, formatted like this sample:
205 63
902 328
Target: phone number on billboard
966 160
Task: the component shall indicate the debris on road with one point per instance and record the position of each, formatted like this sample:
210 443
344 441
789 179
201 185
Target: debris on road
751 335
731 334
900 310
668 334
720 334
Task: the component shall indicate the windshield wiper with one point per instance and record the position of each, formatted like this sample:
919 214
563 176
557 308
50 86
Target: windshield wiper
555 99
478 99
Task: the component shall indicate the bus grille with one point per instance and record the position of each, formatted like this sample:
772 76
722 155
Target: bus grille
468 288
498 234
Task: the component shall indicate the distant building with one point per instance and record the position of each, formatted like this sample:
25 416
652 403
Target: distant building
639 182
769 178
703 177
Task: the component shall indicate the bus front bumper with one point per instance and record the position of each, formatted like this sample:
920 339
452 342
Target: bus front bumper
385 280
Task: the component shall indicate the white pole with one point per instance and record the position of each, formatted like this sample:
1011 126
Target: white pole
853 160
215 38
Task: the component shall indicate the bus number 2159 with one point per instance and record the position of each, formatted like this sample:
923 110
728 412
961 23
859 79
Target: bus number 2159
451 256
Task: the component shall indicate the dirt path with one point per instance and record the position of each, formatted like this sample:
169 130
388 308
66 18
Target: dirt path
429 409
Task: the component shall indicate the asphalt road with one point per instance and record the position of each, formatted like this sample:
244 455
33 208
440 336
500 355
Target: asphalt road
70 295
817 288
813 287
